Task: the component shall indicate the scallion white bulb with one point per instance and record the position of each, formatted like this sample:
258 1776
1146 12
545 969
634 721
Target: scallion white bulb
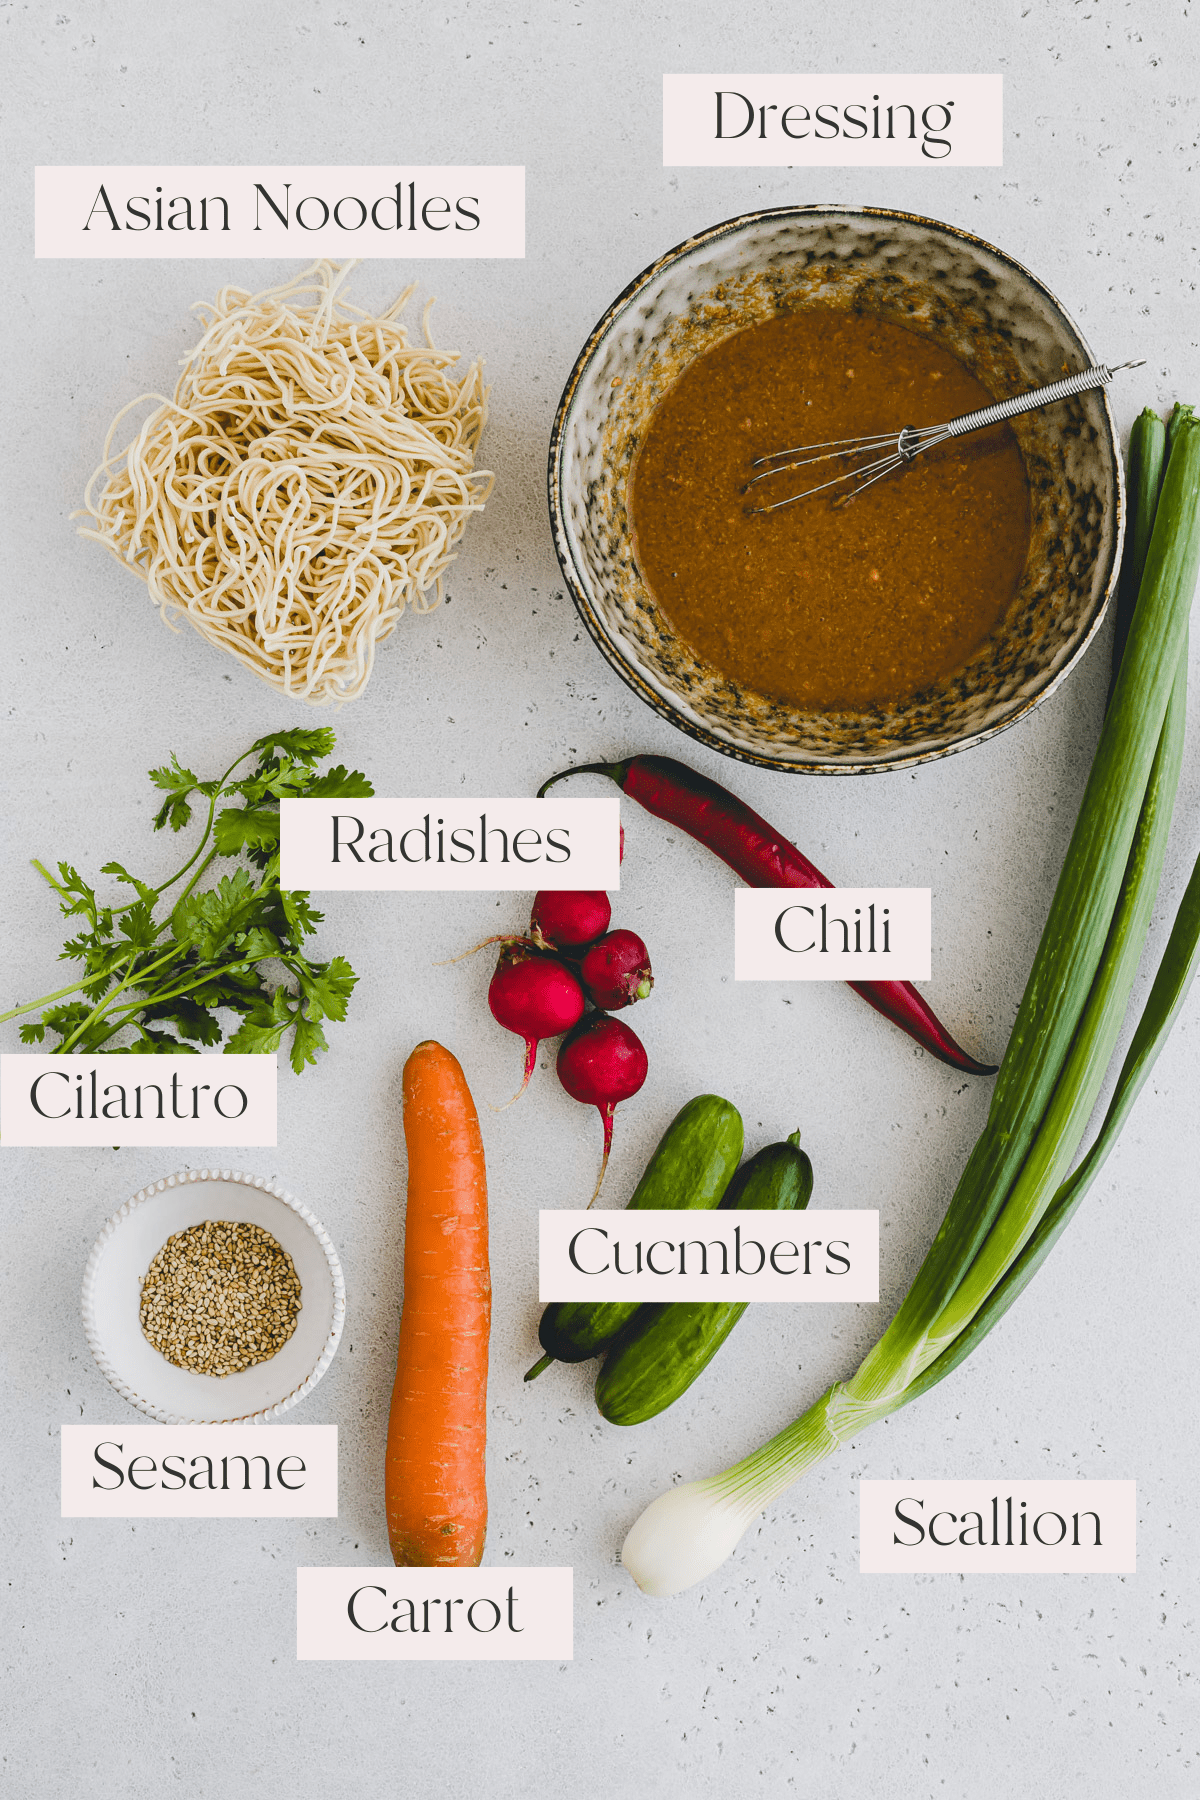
684 1535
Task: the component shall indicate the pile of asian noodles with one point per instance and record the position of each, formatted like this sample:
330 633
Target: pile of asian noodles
310 478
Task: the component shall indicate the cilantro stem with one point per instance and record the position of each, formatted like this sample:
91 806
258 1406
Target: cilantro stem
132 978
176 993
217 794
209 860
45 873
59 994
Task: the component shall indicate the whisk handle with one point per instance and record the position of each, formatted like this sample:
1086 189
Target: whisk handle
1099 376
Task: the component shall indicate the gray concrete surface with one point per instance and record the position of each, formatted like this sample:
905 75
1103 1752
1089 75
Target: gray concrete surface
158 1657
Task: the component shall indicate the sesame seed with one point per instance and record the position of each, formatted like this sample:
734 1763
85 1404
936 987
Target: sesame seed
220 1297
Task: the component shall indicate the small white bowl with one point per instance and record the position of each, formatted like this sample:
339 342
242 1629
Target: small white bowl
112 1297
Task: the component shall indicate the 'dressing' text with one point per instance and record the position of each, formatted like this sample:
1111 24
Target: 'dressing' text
737 116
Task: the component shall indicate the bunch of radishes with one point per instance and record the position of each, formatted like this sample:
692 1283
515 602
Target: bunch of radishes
544 983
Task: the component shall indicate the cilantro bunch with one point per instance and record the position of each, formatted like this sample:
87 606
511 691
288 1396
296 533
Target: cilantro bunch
165 973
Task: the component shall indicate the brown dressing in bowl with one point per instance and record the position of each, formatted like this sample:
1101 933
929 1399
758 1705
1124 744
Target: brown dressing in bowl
828 607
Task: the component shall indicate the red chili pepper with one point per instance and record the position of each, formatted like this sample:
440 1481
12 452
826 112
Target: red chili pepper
763 858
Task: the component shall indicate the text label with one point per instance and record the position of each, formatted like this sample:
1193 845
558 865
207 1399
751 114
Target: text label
199 1471
833 121
125 1100
433 846
434 1615
832 934
111 211
998 1527
684 1255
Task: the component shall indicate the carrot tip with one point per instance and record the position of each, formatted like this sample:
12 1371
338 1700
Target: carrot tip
543 1362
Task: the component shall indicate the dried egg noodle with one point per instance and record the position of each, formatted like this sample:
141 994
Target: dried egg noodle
310 478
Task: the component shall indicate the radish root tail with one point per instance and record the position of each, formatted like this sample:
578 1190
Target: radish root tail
531 1050
606 1113
502 937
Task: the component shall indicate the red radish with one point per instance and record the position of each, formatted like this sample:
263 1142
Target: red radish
615 971
536 997
602 1063
567 919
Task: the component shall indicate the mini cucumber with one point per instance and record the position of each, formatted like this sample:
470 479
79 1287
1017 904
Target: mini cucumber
692 1167
664 1347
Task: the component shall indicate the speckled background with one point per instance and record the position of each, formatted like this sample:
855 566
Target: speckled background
143 1659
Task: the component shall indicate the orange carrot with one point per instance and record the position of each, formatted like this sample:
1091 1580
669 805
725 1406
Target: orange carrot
437 1431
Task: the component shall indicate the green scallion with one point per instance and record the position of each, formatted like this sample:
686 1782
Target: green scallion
1014 1197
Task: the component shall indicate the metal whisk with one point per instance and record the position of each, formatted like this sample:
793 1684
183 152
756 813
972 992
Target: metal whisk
902 447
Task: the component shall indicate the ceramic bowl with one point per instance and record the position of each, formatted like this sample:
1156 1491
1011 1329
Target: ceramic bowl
995 316
112 1294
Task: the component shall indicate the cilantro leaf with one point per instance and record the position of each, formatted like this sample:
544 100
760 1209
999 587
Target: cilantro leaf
77 896
242 827
300 915
302 744
326 987
252 1039
262 1030
147 894
258 943
189 1019
234 985
284 780
137 925
63 1019
205 922
66 1019
158 1043
308 1041
339 784
178 783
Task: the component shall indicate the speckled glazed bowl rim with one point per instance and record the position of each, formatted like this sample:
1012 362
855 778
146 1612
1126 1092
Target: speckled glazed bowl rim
145 1196
595 626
